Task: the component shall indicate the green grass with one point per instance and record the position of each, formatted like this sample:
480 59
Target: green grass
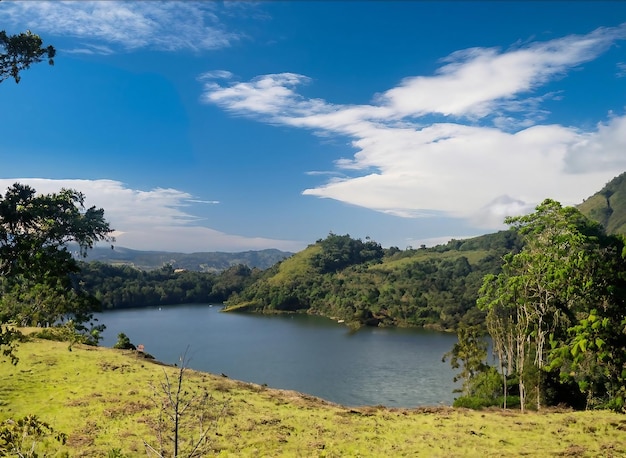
295 266
473 257
103 399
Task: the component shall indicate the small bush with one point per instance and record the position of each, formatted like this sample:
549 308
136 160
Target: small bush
72 333
479 403
55 334
124 343
473 402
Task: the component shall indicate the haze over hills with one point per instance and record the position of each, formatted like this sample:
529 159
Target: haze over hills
201 262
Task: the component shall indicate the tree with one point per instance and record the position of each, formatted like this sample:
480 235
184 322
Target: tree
35 228
592 352
569 274
18 52
468 354
340 251
36 267
508 325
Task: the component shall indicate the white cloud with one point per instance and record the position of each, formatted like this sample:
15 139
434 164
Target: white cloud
152 220
409 166
478 81
215 74
600 150
162 25
492 215
269 94
199 239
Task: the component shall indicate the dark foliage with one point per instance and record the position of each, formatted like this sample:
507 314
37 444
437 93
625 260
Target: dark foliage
125 286
341 251
201 262
18 52
36 269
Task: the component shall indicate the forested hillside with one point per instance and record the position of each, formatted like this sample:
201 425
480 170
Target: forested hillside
362 283
339 277
125 286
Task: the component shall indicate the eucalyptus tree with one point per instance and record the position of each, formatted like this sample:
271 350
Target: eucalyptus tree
508 328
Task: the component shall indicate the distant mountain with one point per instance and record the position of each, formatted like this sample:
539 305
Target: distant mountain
608 206
202 262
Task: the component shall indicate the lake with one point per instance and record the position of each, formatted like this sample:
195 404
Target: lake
314 355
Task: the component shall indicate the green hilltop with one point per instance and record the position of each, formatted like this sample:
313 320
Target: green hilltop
357 282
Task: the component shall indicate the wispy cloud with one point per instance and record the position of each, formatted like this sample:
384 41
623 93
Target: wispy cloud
466 142
154 219
212 202
478 82
103 26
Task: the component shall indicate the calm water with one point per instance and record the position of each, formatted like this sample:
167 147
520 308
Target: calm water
391 367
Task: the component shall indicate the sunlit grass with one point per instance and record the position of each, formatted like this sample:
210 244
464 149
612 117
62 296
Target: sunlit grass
472 256
103 399
295 266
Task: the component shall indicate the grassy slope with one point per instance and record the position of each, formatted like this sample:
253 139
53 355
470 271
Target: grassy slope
102 399
608 206
297 266
473 256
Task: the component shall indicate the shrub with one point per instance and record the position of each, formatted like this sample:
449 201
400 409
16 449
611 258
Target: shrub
123 342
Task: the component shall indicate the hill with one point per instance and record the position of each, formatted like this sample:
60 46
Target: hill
201 262
608 206
364 284
106 399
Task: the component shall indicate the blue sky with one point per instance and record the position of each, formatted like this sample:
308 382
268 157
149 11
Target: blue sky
210 126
